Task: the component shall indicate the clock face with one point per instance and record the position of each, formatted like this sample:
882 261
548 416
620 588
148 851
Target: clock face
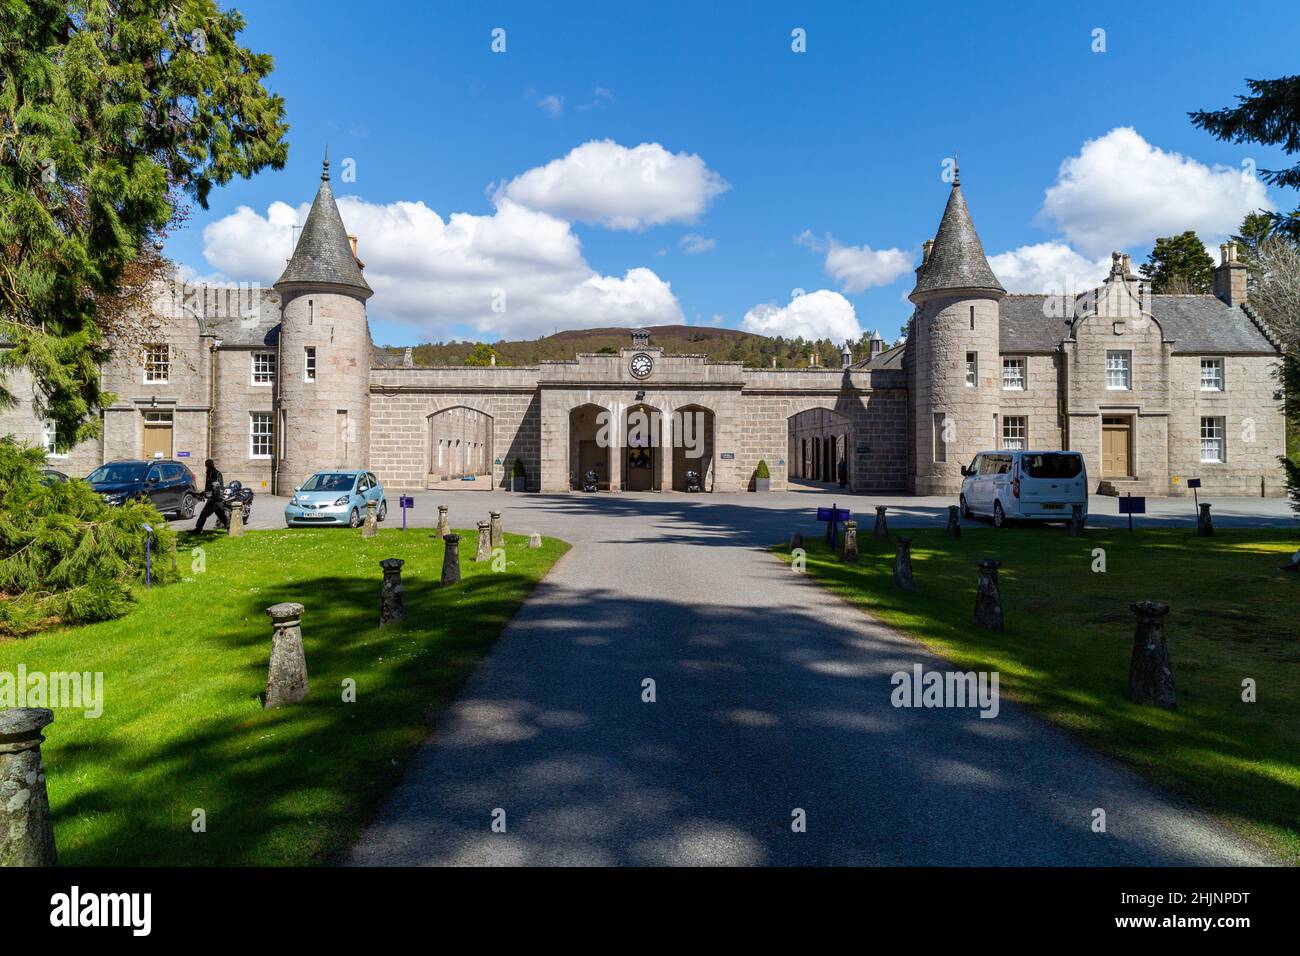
641 365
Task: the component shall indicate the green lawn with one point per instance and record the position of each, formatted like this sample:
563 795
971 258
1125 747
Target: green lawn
1065 651
183 727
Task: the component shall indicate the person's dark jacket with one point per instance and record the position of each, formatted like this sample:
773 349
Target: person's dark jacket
213 485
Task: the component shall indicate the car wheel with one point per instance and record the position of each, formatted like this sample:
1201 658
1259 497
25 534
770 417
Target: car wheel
383 510
999 516
965 508
354 519
187 505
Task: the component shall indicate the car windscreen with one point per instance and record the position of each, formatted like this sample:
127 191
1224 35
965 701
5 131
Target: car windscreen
1052 465
328 481
117 471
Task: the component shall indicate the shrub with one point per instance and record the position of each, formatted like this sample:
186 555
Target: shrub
761 471
66 557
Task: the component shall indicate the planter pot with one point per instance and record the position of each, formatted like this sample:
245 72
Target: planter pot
761 484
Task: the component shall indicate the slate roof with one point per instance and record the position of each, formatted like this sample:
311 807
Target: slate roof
323 253
957 259
890 358
255 326
1195 323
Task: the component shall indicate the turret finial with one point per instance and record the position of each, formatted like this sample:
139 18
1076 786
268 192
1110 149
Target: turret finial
325 170
956 170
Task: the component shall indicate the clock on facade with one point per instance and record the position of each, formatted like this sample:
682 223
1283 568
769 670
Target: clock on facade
641 365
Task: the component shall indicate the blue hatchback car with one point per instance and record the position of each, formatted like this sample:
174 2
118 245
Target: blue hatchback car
335 496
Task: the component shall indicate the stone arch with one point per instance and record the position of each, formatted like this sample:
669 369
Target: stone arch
459 442
692 428
641 445
822 437
589 444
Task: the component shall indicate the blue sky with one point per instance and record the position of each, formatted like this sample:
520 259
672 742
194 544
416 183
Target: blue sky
749 147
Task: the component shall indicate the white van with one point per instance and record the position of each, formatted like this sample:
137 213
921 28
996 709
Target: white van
1024 484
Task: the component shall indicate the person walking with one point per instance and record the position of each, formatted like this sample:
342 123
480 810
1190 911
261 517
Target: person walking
842 469
214 491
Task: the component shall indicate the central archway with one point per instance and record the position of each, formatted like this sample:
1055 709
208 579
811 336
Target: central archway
460 443
819 440
589 445
642 448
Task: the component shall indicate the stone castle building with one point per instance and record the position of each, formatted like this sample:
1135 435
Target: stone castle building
274 384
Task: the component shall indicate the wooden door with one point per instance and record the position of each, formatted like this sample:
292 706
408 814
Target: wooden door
157 435
1116 442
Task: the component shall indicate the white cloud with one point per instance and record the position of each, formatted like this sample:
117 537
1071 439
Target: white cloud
694 245
553 105
620 188
817 315
1048 267
434 274
1121 191
858 268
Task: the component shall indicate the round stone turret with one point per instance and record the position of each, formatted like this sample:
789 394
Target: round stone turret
323 378
955 364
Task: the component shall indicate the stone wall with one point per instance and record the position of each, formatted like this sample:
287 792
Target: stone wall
237 399
402 401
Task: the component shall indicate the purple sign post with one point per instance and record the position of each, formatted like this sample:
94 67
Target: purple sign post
148 557
405 501
834 515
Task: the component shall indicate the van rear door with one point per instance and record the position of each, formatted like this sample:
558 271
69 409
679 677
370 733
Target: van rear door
1051 481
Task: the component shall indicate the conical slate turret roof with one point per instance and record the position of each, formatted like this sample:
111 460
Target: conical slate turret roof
957 259
323 254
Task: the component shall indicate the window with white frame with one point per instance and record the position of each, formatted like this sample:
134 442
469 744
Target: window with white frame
309 364
261 434
972 369
1013 373
157 363
1212 443
1119 374
50 438
1015 432
263 368
1211 375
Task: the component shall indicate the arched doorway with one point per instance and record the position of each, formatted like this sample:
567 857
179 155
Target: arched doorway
692 446
589 445
823 438
642 449
460 443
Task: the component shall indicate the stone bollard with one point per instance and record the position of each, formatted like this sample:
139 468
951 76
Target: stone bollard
444 528
26 831
1150 678
534 540
796 541
392 603
903 564
1076 521
1204 523
451 560
851 542
953 529
286 677
988 599
371 526
882 526
484 552
497 535
236 527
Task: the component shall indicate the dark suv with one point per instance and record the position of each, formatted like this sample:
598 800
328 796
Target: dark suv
169 485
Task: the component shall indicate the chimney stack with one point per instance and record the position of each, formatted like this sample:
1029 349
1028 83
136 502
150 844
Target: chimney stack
877 345
408 361
352 241
846 356
1230 276
492 359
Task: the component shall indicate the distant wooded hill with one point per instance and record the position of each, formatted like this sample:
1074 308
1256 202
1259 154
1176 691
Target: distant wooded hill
720 345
